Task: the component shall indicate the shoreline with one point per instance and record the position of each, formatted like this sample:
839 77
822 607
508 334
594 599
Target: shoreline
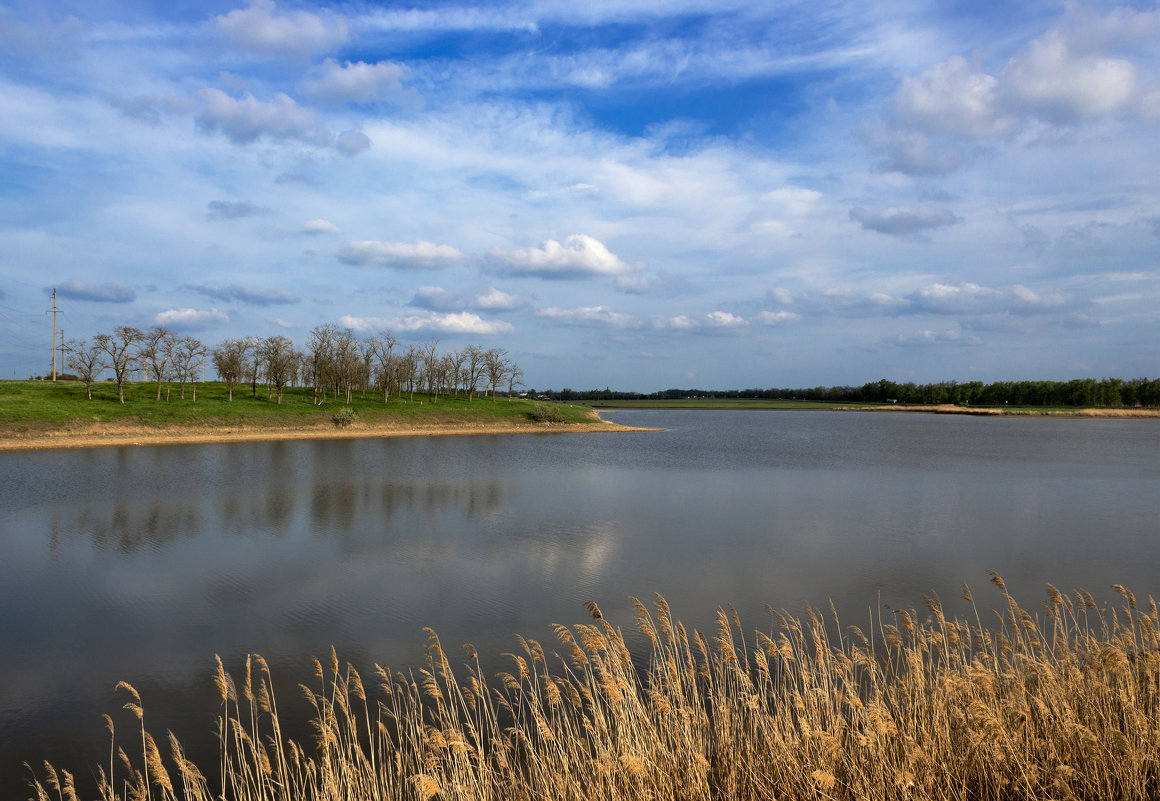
991 411
111 435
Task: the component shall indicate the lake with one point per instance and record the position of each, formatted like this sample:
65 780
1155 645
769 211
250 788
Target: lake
141 564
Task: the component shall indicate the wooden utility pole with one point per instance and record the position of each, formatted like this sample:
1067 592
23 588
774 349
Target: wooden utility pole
54 334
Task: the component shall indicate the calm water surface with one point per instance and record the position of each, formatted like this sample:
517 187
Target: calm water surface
142 563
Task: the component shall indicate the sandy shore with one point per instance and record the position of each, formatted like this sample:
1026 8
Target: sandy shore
113 434
948 408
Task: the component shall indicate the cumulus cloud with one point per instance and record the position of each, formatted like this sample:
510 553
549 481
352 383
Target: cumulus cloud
437 298
245 294
319 226
581 256
249 119
1051 81
355 82
399 255
589 316
778 318
902 221
429 321
951 98
496 300
715 321
108 292
234 210
258 29
191 319
1070 75
720 319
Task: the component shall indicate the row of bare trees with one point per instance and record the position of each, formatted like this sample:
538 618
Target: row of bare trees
334 362
162 355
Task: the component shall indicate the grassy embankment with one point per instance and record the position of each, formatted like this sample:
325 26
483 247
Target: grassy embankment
1065 704
31 407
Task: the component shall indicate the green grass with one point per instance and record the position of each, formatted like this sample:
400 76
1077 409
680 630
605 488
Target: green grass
30 406
718 403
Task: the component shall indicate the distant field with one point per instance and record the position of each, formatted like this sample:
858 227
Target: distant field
32 406
718 403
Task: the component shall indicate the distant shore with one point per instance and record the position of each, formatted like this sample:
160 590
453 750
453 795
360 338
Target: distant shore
991 411
114 434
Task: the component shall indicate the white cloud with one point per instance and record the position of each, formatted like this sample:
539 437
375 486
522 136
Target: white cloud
400 255
902 221
191 319
581 256
496 300
1056 84
246 120
355 82
715 321
951 98
429 321
720 319
599 316
778 318
454 323
319 226
299 35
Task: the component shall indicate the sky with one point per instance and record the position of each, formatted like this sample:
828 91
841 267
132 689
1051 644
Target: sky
626 194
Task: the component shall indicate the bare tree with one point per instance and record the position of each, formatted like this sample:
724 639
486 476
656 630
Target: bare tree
456 359
408 365
86 360
229 359
347 361
279 359
322 359
118 346
514 374
382 346
254 362
188 357
429 356
155 353
475 368
495 366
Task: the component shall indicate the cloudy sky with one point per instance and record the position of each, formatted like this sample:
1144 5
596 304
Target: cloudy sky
642 195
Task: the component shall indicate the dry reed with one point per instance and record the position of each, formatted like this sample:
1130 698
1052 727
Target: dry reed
1061 705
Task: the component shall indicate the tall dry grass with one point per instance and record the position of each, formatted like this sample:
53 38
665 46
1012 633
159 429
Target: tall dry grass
1064 704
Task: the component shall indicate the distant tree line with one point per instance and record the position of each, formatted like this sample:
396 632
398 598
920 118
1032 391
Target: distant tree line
1079 392
334 362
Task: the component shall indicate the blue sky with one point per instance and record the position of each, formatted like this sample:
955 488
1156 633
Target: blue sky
640 195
